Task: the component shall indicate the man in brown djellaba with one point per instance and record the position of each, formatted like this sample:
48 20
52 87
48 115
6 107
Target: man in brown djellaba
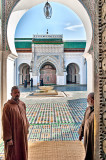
87 129
15 127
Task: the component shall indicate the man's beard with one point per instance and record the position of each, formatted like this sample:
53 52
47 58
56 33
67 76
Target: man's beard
16 98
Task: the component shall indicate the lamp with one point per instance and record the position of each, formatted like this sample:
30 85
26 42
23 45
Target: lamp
48 10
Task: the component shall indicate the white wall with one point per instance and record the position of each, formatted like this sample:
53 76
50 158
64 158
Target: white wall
10 76
90 72
12 24
78 59
22 58
60 80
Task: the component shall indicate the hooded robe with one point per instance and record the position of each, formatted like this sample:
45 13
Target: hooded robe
87 130
15 127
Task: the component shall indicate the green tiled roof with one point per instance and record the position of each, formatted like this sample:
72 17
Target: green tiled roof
23 39
48 41
23 44
74 44
27 43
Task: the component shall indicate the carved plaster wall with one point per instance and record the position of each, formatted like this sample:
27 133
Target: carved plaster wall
42 54
102 76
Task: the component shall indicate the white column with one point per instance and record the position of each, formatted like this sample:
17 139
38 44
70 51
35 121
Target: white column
90 72
3 83
65 74
60 80
10 74
83 71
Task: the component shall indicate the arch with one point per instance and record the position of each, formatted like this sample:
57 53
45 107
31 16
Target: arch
73 75
23 73
22 6
48 73
46 60
99 100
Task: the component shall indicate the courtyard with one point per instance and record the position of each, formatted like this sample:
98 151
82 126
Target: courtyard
54 118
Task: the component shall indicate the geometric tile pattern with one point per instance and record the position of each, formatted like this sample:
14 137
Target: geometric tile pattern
50 113
54 121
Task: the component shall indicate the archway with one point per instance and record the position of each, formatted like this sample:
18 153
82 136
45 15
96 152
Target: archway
21 8
99 25
73 73
24 73
48 74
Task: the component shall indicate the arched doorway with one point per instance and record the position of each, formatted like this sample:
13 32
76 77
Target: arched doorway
48 74
73 73
24 73
98 61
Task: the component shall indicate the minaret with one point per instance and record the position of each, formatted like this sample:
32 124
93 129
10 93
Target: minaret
47 31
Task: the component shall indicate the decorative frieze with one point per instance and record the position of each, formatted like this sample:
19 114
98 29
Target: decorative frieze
102 77
48 36
48 49
25 55
48 53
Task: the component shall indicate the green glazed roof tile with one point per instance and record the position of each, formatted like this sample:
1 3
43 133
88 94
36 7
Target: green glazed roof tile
23 44
74 44
27 43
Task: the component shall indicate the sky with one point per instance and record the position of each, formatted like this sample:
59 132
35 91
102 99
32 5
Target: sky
63 21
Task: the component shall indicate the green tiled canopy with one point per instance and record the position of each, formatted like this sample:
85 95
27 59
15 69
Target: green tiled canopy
27 42
48 41
74 44
23 44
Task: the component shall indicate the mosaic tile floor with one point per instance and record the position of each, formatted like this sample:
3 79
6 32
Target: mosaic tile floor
54 121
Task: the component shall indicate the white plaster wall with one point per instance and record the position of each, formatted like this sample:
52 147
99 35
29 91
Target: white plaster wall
84 71
60 80
12 24
78 59
22 58
90 72
35 80
65 74
10 76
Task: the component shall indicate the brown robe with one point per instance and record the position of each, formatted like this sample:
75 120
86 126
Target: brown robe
15 127
87 130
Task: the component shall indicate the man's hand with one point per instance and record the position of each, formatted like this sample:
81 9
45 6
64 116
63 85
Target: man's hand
80 138
10 143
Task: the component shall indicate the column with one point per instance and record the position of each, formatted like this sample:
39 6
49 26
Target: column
90 72
3 83
10 74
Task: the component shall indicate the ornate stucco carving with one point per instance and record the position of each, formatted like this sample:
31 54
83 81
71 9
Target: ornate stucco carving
104 13
42 60
102 76
104 40
48 49
43 53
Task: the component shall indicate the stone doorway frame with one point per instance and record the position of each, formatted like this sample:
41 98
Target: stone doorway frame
99 40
